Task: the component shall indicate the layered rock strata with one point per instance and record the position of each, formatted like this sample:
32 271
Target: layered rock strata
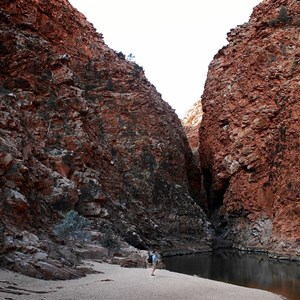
249 135
82 128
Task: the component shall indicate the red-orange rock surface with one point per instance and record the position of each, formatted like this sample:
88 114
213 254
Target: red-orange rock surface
191 123
82 128
249 136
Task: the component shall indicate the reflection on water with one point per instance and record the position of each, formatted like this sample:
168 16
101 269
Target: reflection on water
245 269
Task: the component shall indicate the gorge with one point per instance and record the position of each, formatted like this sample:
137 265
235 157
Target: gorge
81 128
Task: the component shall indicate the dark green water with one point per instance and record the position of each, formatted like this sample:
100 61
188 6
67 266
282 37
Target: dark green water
240 268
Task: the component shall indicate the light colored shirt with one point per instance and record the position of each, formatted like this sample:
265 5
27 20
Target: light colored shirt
154 258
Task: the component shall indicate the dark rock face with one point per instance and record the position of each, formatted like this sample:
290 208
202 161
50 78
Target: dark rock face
249 136
2 230
82 128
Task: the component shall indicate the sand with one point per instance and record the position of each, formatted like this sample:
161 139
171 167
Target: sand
117 283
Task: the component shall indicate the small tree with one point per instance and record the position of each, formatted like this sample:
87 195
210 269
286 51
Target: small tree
110 85
73 227
109 241
283 15
131 57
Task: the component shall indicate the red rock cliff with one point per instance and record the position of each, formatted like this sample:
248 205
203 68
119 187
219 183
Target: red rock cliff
249 136
82 128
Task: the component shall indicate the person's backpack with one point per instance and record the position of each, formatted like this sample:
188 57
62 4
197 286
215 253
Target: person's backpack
150 259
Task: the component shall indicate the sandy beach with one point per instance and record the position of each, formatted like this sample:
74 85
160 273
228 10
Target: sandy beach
117 283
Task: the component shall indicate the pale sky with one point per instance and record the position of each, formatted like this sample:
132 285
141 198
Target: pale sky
173 40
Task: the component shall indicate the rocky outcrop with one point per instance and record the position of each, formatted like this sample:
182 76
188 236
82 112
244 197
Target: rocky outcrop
191 123
82 128
249 135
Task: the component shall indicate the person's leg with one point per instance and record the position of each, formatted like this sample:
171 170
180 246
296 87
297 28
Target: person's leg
153 268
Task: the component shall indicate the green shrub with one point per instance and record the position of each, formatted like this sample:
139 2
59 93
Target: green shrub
283 15
110 85
109 240
298 21
137 69
73 227
273 22
52 103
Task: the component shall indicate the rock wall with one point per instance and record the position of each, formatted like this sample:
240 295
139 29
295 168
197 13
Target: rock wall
249 136
191 123
82 128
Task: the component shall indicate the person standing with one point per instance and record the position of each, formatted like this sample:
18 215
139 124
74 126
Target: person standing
154 262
